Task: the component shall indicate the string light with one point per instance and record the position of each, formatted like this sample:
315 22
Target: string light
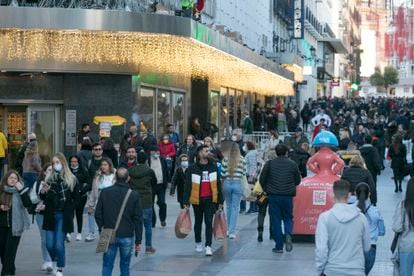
296 70
177 56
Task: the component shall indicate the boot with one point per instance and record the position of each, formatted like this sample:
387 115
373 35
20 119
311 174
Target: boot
399 187
260 236
396 188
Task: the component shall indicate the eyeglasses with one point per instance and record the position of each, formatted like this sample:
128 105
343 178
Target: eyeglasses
97 149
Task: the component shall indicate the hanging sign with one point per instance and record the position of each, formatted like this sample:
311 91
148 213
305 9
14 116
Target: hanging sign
298 18
105 129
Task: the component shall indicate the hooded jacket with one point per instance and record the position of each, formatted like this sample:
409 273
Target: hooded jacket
142 180
342 236
401 224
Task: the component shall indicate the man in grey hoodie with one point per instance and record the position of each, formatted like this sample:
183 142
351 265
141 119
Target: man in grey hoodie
342 236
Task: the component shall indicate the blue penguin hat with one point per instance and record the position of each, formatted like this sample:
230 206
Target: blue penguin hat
325 138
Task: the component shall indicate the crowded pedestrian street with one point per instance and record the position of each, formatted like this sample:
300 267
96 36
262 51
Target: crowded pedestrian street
241 256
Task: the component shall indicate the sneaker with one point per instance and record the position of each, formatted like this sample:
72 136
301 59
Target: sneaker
232 236
68 237
59 273
79 237
242 211
289 245
46 266
199 247
208 251
260 237
90 237
150 250
49 267
163 223
275 250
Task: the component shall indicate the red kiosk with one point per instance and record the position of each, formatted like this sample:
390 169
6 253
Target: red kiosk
314 195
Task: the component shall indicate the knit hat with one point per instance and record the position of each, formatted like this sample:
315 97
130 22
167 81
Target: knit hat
142 157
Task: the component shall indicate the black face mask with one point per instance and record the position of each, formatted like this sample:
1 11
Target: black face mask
32 140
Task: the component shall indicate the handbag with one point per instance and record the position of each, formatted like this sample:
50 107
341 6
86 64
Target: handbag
107 235
262 200
246 191
219 226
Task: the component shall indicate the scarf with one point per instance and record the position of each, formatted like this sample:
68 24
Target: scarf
20 216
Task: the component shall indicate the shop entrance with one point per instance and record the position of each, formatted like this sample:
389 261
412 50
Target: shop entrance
16 121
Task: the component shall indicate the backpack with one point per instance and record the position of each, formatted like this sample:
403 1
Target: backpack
381 225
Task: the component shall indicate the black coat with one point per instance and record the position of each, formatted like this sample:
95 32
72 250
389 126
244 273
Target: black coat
398 158
84 181
51 197
178 181
372 159
301 158
190 151
356 175
113 155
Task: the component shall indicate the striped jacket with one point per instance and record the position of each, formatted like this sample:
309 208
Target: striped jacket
238 173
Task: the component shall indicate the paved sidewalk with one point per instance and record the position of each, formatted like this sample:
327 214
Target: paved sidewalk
242 256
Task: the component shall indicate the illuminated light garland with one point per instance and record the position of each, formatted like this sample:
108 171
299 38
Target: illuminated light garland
158 53
296 70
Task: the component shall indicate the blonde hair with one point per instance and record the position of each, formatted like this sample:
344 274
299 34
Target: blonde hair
233 158
67 175
357 161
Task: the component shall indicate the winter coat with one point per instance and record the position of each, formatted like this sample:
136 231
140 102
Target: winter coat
401 224
84 181
113 155
342 236
178 182
142 180
301 158
398 159
167 149
191 151
356 175
251 162
372 159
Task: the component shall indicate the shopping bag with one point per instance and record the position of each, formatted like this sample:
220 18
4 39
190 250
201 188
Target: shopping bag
219 226
183 224
258 190
246 190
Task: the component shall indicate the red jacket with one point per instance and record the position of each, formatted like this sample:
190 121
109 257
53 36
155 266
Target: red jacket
166 149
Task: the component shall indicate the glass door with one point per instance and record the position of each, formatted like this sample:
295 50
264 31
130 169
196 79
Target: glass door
44 121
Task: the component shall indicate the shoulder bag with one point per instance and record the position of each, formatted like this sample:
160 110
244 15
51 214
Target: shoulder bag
107 235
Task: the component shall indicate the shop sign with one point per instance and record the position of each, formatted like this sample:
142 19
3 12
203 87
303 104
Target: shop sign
335 81
70 130
105 129
298 18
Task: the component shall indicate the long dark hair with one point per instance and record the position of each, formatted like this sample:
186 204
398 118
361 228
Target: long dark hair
6 198
362 191
397 144
409 201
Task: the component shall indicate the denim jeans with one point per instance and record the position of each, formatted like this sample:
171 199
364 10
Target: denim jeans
125 246
232 194
370 259
406 263
147 217
280 208
55 241
91 223
29 179
243 205
39 222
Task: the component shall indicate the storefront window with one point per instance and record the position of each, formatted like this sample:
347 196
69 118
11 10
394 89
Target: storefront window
240 108
164 111
178 114
214 110
232 109
223 113
42 123
145 110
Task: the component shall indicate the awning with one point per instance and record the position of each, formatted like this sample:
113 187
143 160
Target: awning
336 44
119 42
114 120
296 70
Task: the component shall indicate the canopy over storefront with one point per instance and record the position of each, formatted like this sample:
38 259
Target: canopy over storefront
118 42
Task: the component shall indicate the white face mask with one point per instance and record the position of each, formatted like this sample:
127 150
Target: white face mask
74 167
244 148
57 167
234 138
184 164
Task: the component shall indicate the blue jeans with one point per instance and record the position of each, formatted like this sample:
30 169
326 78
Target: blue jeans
91 223
370 259
406 263
243 205
280 208
232 194
125 246
55 241
29 179
39 222
147 217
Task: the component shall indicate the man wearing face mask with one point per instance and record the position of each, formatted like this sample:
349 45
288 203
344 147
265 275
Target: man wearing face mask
142 180
178 180
159 165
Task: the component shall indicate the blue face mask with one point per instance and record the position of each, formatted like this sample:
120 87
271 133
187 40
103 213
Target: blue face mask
184 164
58 167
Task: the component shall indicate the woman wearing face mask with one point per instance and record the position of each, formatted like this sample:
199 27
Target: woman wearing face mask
40 207
105 177
84 186
178 180
189 148
167 150
60 198
271 145
216 154
14 218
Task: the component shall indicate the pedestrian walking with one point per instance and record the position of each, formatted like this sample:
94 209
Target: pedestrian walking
142 179
189 148
215 153
14 219
83 187
279 179
108 150
129 232
252 170
342 236
18 163
39 209
247 123
159 165
95 163
398 155
85 154
84 134
31 164
60 198
357 173
306 115
104 178
403 226
167 151
178 180
204 192
3 151
375 221
233 169
131 158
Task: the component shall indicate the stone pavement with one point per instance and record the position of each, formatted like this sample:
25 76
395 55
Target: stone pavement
242 256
